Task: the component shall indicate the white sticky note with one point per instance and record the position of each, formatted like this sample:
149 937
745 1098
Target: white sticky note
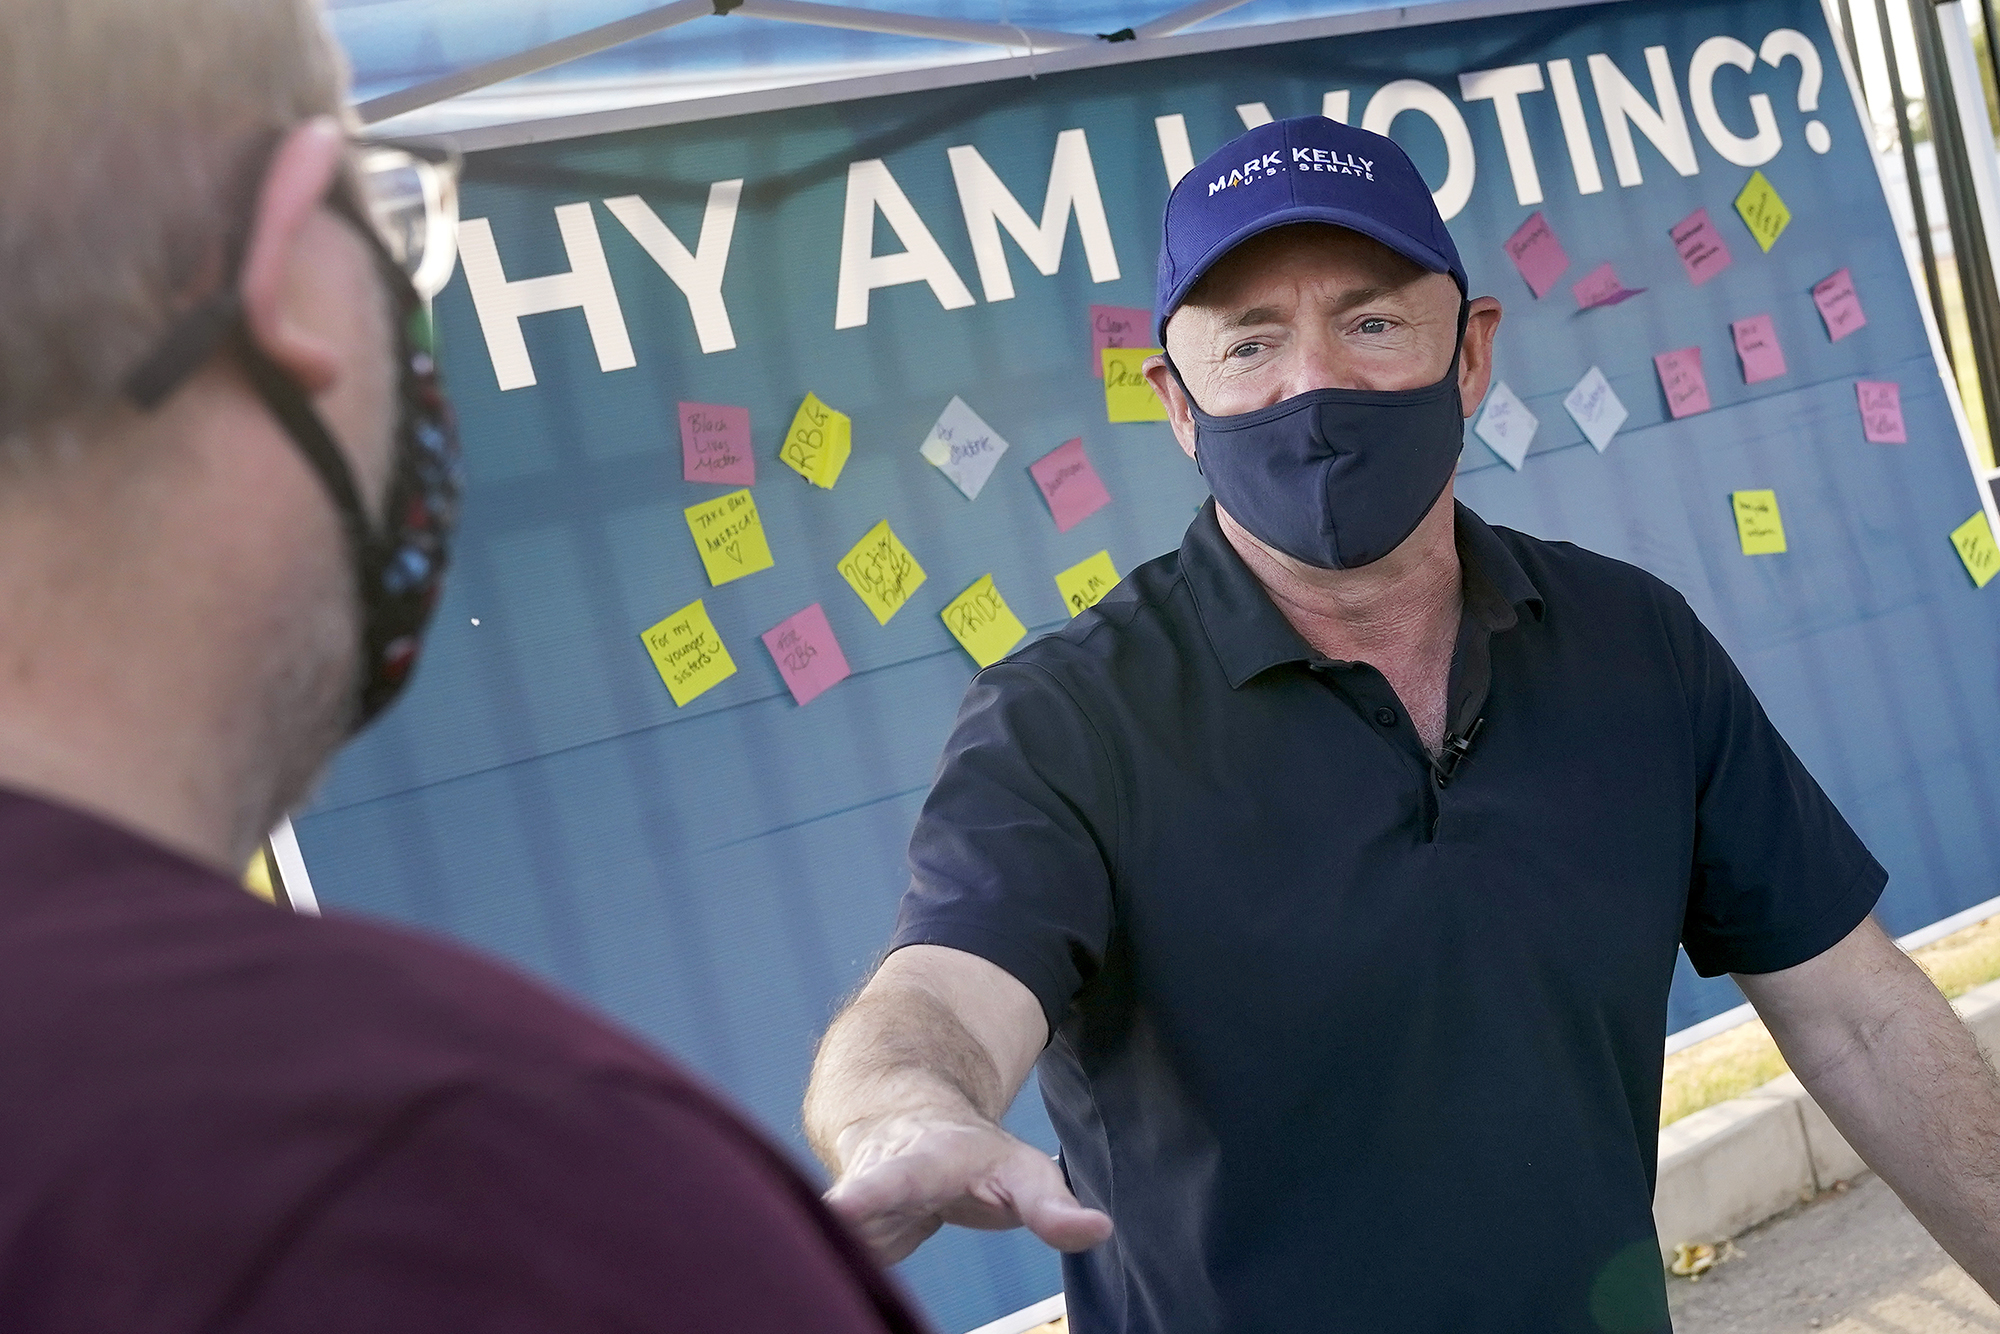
1596 409
963 448
1506 425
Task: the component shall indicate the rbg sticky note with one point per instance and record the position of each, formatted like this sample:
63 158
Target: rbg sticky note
1882 412
1758 525
981 621
1595 409
1128 397
807 654
817 443
729 536
1069 484
1974 541
1763 212
1506 425
963 448
1538 255
715 444
1681 378
1083 583
1757 348
689 653
1117 326
882 571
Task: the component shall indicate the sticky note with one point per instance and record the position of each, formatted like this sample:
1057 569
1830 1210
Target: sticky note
1506 425
1839 305
981 621
1538 255
1757 348
963 448
729 536
1083 583
1974 540
1128 396
1882 412
817 443
1681 378
807 654
1702 250
1069 484
1595 409
882 571
715 444
1763 212
1758 525
1601 288
1117 326
689 653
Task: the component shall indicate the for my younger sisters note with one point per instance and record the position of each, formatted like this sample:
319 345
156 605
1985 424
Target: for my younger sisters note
982 622
688 653
963 448
1070 485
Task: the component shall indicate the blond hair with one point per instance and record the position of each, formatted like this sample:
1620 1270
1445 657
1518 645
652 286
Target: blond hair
132 134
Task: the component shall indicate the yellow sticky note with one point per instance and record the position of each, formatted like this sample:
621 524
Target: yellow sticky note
729 536
817 443
1763 212
1974 540
689 653
882 571
1128 395
980 619
1083 583
1758 525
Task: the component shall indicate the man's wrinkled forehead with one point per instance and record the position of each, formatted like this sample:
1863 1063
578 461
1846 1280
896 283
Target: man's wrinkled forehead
1367 269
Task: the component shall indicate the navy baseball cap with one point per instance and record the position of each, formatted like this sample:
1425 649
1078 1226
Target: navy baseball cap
1309 169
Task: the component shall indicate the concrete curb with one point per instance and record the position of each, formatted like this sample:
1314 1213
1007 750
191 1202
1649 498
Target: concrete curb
1730 1167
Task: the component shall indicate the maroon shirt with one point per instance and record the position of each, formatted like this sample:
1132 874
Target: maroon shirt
218 1116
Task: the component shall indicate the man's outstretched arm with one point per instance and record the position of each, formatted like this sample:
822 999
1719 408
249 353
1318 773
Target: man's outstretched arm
906 1098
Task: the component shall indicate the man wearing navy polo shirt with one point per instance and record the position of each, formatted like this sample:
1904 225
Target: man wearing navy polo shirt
1334 865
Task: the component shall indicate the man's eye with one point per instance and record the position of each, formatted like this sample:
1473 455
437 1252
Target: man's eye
1373 326
1246 349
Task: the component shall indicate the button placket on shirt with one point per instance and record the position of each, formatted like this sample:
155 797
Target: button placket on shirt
1369 694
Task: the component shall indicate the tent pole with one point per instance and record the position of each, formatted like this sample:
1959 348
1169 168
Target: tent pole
910 25
1912 176
1185 17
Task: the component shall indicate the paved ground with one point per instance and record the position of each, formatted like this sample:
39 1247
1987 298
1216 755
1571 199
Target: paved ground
1851 1262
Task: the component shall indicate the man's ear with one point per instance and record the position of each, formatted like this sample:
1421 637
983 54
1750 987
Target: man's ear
1475 363
1170 393
300 174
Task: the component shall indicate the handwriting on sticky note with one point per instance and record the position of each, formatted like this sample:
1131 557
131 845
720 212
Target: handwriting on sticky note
1974 541
1702 250
1882 412
817 443
1117 326
1083 583
963 448
1763 212
1595 409
1757 348
981 621
1128 395
882 571
1682 381
1601 287
689 653
1538 255
1758 525
1839 305
808 656
1506 425
730 536
1069 484
715 444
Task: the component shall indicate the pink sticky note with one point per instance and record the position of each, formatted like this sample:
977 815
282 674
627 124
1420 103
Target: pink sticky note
1882 412
1757 346
715 445
1703 251
1070 485
1538 255
807 654
1602 288
1839 305
1117 326
1680 376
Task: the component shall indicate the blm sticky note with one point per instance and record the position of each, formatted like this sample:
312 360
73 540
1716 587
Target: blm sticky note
1762 211
817 443
689 654
1538 255
729 536
963 448
1974 542
1758 525
1839 305
1117 326
1595 409
1506 425
1682 381
1083 583
1882 412
982 622
1757 348
882 572
1128 397
1702 250
807 654
1069 484
715 444
1601 287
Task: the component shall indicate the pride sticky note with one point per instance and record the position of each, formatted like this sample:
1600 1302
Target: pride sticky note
1506 425
1757 348
1601 287
963 448
1758 525
1069 484
1595 409
982 622
1083 583
1882 412
808 656
1538 255
817 443
1682 381
882 572
729 536
1839 305
1702 250
1117 326
1974 541
715 444
1128 397
689 653
1762 211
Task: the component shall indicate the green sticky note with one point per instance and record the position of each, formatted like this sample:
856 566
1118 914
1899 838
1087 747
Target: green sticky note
1974 540
729 536
1083 583
882 571
1128 395
980 619
1758 525
1763 212
817 443
689 653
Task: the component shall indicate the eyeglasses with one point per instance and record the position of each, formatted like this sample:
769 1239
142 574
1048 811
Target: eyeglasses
412 198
